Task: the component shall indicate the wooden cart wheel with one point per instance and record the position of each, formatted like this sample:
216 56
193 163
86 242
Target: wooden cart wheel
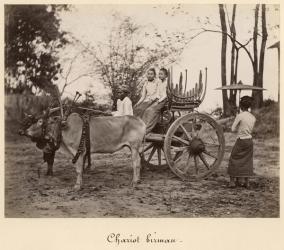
194 146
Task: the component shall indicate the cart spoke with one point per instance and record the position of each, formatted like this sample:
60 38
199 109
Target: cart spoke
211 144
151 154
159 150
178 149
202 158
189 137
211 155
181 140
193 130
148 147
200 132
187 166
196 164
178 155
214 142
193 126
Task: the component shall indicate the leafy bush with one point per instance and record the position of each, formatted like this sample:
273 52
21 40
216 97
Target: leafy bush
267 120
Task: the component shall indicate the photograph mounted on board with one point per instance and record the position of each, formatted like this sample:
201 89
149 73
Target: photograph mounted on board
142 111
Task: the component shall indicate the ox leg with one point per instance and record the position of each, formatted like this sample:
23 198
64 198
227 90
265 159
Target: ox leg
79 171
89 161
136 164
88 157
49 169
49 158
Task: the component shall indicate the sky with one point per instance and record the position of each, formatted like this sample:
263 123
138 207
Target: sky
92 23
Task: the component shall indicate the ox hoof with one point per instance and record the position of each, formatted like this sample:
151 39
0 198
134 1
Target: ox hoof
87 169
49 173
134 184
77 187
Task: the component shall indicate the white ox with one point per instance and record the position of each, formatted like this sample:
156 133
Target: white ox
107 135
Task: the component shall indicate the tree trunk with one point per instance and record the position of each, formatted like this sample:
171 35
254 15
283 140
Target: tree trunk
255 52
278 51
223 59
259 94
233 59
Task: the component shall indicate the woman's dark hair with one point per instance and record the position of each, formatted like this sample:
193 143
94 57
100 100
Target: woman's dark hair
245 102
153 70
165 71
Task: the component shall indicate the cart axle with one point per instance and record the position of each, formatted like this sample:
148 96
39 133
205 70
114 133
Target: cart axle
196 146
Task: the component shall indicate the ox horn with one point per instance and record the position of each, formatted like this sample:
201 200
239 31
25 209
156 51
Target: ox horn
54 110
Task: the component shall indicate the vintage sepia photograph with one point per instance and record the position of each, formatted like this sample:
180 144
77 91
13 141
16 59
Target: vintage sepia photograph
142 111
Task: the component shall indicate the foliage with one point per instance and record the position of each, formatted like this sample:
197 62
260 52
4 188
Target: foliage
269 102
267 121
131 50
89 100
32 38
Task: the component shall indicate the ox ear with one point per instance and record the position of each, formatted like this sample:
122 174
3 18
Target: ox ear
46 113
28 115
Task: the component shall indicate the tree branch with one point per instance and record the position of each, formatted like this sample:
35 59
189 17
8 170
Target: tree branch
243 46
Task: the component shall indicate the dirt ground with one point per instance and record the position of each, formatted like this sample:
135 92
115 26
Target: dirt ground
106 191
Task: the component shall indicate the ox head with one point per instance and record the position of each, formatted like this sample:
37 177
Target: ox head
45 130
34 126
26 123
35 131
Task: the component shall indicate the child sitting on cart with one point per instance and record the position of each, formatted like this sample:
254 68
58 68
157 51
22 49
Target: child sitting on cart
153 98
241 159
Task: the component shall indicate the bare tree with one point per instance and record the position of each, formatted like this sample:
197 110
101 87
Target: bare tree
255 50
234 57
69 68
257 59
223 58
258 95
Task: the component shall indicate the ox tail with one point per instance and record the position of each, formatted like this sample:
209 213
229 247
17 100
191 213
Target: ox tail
143 143
144 137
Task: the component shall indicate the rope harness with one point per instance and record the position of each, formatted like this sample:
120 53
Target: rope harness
51 132
85 138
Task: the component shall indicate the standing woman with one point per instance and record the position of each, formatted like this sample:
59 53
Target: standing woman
241 159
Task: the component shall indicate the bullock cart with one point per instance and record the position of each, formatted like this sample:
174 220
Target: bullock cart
190 143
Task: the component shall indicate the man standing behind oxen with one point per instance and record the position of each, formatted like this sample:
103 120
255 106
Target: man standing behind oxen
124 104
153 98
